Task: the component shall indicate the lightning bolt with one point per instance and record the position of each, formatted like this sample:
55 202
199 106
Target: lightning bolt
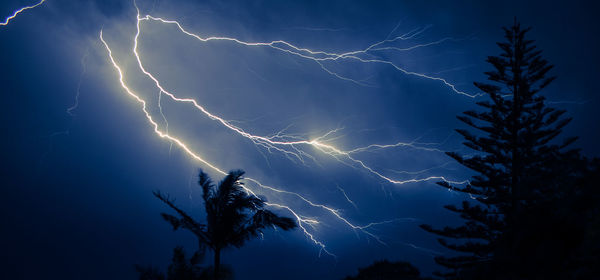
289 145
81 76
278 142
303 222
15 13
321 56
281 142
347 198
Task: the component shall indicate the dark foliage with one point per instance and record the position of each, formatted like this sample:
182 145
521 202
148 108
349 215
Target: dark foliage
149 273
553 239
184 269
386 270
521 171
180 268
233 216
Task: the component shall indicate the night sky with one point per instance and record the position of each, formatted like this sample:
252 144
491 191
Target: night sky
80 159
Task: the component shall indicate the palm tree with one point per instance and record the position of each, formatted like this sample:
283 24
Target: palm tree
233 215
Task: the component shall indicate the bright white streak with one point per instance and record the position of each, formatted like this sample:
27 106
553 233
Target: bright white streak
8 19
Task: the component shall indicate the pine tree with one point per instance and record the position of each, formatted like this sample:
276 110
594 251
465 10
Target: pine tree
515 152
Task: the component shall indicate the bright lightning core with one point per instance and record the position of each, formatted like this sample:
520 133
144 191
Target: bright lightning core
152 91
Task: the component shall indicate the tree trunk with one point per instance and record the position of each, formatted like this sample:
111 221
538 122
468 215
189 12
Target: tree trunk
516 126
217 263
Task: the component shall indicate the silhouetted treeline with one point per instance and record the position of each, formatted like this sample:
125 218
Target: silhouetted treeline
533 212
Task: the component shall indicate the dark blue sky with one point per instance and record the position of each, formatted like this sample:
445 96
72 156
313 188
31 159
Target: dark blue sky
76 197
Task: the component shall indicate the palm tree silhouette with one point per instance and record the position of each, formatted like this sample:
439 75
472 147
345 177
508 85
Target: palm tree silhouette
233 215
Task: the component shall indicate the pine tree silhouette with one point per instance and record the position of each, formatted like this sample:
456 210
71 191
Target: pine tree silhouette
513 140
